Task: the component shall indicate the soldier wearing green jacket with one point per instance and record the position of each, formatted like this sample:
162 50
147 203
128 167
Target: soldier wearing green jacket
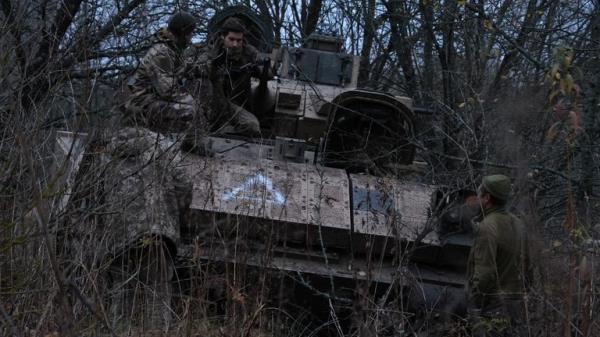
496 262
233 63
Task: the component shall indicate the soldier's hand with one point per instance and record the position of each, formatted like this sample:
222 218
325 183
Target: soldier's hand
202 70
196 70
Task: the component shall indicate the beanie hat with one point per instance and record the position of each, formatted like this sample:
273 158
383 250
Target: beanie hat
498 185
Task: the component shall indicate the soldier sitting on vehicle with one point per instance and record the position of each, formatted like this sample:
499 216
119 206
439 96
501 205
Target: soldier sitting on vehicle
145 187
158 100
232 64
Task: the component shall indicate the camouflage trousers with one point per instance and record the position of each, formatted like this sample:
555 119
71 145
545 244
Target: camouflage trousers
177 116
185 115
164 116
236 120
140 286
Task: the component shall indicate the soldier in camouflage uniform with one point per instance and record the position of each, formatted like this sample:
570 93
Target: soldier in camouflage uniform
232 64
145 196
158 99
496 264
143 181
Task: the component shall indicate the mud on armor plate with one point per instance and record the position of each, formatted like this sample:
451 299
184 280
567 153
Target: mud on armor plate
282 191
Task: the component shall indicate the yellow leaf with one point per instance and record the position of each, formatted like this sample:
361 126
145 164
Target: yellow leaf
576 233
568 58
552 132
488 24
553 71
553 95
563 87
461 105
462 2
568 83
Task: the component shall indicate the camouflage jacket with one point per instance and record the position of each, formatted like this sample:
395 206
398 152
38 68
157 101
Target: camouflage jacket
496 260
159 74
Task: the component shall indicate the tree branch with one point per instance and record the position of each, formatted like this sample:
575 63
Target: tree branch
13 28
507 166
509 39
41 85
51 41
115 21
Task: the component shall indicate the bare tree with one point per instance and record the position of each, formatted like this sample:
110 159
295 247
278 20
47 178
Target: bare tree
509 85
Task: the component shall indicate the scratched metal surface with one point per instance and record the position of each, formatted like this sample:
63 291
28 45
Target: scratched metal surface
259 187
389 207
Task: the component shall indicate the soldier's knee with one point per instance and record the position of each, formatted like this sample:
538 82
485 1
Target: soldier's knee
253 128
248 123
248 129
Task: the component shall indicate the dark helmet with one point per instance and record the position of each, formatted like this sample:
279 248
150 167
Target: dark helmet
182 23
233 25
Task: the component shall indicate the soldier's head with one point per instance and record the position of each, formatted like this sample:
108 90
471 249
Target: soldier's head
232 32
494 191
182 25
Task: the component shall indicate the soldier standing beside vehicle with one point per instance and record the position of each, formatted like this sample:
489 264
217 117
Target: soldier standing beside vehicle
233 64
496 266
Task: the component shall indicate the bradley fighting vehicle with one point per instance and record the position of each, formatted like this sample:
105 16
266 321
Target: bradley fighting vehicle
330 192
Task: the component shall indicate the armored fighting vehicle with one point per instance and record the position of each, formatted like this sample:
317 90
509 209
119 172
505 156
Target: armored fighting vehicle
331 192
336 180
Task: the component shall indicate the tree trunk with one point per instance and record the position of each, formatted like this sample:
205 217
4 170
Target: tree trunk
426 8
473 42
402 44
447 55
368 35
510 59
